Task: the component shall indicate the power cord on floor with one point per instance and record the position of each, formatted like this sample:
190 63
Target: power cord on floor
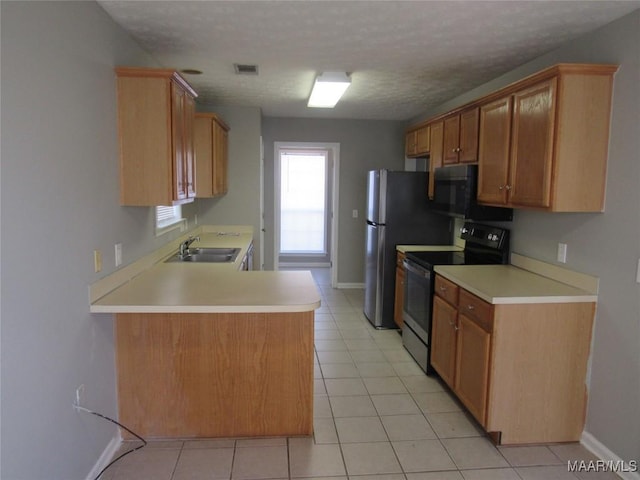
144 442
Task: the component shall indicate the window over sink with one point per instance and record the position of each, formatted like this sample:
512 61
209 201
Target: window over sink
168 218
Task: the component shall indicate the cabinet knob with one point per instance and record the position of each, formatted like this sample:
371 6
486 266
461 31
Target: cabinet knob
443 289
501 187
508 187
470 307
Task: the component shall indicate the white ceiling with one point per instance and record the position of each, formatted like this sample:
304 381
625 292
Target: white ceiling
404 56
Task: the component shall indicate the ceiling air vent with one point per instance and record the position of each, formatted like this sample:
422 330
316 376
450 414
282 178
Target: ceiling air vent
245 69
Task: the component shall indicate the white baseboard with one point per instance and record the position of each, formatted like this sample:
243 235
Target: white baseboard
108 453
596 447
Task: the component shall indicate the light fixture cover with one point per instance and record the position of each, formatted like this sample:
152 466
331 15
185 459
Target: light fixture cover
328 88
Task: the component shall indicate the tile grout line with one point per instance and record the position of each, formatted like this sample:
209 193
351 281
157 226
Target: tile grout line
175 466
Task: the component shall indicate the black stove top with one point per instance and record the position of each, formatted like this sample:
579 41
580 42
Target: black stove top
428 259
485 245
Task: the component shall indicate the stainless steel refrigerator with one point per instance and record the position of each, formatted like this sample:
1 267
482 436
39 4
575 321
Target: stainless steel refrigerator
397 214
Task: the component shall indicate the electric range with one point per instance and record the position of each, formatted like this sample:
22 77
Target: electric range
484 245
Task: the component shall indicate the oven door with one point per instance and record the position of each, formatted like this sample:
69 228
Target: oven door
418 291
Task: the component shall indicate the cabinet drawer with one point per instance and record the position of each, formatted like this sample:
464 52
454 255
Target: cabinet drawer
475 309
446 289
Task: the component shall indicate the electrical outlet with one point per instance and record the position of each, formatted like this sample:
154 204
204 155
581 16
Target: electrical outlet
97 260
562 252
80 396
638 272
118 254
354 213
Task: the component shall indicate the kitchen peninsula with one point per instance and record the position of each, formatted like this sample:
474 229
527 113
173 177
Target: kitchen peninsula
208 350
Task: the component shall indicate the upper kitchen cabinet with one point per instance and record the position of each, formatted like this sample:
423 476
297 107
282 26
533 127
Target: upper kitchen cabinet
543 141
461 137
417 141
156 110
435 155
211 148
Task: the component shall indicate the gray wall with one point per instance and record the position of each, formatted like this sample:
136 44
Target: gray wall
241 205
364 145
606 245
59 198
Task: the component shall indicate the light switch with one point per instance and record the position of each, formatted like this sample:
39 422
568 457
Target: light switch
97 260
562 252
118 254
354 213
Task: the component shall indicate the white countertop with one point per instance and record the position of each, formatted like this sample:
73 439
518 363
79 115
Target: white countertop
507 284
182 287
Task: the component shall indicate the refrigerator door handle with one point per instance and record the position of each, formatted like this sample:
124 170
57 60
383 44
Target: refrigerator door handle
374 224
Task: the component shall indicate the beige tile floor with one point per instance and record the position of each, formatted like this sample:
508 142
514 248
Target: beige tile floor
376 415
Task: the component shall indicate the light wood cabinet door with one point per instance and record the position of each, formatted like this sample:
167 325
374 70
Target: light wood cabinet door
423 140
417 141
399 297
177 135
468 143
398 305
472 367
451 140
460 142
211 140
220 159
532 145
182 113
493 154
443 339
436 135
410 144
155 130
189 148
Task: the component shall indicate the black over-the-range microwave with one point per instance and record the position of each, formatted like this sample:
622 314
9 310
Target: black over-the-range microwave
455 192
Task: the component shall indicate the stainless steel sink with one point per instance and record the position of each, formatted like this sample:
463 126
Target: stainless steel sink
213 251
206 255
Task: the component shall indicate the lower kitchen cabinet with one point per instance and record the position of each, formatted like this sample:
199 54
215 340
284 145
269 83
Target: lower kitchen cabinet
472 366
399 291
443 339
519 369
215 375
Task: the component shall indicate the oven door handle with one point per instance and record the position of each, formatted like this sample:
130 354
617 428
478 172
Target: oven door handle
417 270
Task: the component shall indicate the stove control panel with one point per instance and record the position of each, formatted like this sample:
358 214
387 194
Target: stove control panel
486 235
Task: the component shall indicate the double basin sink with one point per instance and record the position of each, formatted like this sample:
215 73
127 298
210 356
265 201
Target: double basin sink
206 255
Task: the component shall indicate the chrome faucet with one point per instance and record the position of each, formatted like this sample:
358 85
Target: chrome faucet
184 246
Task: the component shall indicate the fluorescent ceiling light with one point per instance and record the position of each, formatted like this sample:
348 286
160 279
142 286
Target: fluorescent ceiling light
328 88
